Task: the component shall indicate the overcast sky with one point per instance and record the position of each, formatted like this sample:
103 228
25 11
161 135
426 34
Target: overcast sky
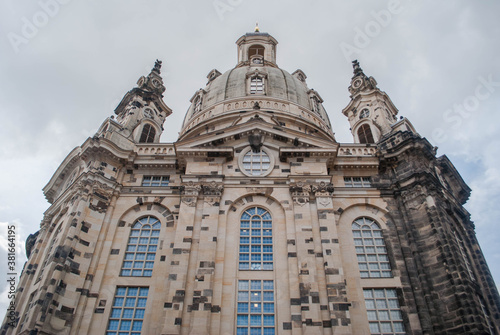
65 65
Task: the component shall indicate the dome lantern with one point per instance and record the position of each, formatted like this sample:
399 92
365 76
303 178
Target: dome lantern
256 48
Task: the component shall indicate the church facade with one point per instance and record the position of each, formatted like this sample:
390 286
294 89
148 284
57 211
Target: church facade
256 220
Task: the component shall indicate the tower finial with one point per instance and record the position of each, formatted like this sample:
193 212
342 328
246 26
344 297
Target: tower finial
357 69
257 27
157 66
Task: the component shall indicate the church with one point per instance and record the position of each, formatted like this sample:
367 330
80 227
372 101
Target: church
256 220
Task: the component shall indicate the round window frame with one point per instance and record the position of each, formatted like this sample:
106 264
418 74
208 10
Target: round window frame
367 111
248 174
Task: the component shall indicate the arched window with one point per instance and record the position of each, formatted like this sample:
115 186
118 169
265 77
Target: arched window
256 240
257 85
365 134
370 249
141 248
148 134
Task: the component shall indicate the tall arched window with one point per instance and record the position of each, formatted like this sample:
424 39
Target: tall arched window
365 134
256 240
257 85
141 248
148 134
370 249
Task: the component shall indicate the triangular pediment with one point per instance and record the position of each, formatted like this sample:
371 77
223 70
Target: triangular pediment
272 135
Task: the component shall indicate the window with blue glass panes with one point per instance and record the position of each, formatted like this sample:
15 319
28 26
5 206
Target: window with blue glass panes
255 310
127 312
256 240
141 248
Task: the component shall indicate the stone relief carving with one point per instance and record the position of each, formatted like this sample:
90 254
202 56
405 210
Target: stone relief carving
189 193
212 193
301 193
414 198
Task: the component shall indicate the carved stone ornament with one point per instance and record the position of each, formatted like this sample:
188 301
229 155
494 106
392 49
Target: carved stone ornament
47 219
322 189
324 202
360 81
189 193
300 193
414 198
213 189
212 193
153 82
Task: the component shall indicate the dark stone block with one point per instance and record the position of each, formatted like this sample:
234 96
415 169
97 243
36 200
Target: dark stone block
331 271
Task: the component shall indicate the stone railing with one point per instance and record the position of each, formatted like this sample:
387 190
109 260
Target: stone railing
155 149
346 150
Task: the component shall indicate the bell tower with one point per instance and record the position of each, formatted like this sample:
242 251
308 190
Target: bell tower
142 112
371 112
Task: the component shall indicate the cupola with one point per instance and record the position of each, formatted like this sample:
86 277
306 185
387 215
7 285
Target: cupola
256 49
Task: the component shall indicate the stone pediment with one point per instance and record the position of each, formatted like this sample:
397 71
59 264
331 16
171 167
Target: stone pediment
238 135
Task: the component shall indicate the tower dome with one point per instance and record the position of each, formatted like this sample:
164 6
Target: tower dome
256 83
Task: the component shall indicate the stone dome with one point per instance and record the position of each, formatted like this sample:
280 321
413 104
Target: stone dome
279 84
256 79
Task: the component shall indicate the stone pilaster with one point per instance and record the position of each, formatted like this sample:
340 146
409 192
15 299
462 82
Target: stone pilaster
309 319
180 260
201 294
